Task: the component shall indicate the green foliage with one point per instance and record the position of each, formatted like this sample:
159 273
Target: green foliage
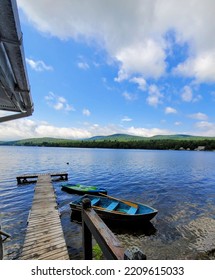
117 137
97 252
122 141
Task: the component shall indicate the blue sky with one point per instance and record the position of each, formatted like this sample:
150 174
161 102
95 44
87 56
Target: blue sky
103 67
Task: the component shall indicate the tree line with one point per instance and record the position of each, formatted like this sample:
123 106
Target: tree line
161 144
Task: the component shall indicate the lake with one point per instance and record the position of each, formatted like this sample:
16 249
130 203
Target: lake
180 184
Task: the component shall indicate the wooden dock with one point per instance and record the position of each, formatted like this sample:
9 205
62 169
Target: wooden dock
44 238
24 179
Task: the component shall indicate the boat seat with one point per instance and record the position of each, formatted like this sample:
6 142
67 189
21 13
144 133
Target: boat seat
112 206
132 211
95 201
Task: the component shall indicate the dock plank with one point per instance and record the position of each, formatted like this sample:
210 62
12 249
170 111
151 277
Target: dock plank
44 236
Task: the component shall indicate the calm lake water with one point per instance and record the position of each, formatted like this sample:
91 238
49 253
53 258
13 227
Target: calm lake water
180 184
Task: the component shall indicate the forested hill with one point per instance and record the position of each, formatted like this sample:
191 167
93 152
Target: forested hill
117 137
124 141
126 137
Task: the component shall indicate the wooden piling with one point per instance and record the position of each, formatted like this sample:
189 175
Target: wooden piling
93 226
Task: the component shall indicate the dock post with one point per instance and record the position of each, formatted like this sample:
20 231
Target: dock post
19 181
86 233
93 225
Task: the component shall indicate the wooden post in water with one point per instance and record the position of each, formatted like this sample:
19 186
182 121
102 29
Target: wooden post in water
92 225
86 233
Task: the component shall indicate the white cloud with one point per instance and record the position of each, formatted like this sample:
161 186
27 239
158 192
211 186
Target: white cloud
126 119
205 128
17 129
83 65
138 131
130 96
86 112
205 125
201 67
146 59
58 102
26 128
39 65
145 132
61 99
154 97
199 116
61 132
58 106
187 94
134 32
178 123
142 84
170 110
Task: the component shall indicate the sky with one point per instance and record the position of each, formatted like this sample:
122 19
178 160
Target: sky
100 67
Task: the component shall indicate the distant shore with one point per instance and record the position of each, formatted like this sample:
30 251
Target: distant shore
147 144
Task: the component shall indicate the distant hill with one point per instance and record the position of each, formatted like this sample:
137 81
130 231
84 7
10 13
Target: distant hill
41 140
34 141
45 141
125 141
127 137
117 137
180 137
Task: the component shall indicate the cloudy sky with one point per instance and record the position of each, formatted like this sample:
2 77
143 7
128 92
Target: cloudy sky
99 67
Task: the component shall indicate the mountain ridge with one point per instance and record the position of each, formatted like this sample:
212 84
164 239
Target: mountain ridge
124 141
113 137
157 137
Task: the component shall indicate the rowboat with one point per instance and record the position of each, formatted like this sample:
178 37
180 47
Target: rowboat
114 210
82 189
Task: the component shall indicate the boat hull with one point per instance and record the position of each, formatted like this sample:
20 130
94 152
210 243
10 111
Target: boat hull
81 191
116 216
116 219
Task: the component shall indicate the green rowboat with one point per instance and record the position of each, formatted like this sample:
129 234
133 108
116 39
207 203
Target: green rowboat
82 189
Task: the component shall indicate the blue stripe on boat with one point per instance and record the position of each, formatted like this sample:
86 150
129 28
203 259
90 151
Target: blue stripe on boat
132 211
112 206
95 201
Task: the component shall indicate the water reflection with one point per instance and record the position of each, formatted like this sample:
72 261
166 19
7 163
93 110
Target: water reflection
146 229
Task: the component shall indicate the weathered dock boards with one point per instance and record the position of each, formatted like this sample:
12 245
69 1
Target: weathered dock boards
23 179
44 238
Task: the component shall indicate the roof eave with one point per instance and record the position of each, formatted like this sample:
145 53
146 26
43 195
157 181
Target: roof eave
15 88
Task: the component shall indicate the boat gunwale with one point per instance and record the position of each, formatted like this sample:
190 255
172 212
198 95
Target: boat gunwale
95 207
